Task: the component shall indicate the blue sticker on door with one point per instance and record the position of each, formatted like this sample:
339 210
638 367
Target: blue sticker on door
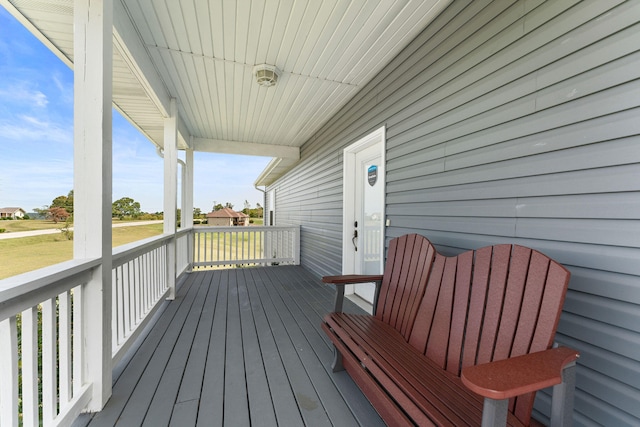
372 175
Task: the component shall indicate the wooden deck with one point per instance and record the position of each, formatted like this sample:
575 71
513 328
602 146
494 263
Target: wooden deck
239 347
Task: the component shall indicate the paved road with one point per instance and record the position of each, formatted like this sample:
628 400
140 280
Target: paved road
18 234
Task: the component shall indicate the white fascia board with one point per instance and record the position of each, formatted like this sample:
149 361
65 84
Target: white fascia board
35 31
128 43
273 171
245 148
262 179
184 136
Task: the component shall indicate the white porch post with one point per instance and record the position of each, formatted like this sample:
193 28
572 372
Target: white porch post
93 29
187 196
171 192
187 203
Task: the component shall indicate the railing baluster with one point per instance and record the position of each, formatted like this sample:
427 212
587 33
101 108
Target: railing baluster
140 284
78 333
115 301
49 353
9 372
64 345
141 289
136 293
30 412
127 299
119 310
153 275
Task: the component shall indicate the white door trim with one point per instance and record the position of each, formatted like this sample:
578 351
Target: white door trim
348 206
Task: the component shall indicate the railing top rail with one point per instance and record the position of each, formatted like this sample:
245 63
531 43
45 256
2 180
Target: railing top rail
241 229
183 231
24 290
125 253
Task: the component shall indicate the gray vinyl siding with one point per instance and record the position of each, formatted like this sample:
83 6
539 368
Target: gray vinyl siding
510 121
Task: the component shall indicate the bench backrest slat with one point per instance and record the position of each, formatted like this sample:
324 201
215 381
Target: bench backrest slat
494 302
480 306
476 312
464 275
406 271
426 309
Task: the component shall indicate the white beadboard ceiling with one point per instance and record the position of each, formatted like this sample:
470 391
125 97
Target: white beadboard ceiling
202 53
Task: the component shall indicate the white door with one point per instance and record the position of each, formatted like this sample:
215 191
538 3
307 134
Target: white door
363 247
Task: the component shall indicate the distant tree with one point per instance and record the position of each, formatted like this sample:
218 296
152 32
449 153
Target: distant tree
57 214
247 205
218 206
197 213
66 229
253 213
125 207
65 202
42 212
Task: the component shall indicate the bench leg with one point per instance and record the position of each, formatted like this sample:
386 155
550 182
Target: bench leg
337 365
337 304
562 399
494 412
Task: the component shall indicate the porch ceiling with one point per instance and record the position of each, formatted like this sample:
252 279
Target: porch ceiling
203 54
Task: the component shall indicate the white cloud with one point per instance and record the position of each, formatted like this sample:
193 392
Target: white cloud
29 130
21 93
33 121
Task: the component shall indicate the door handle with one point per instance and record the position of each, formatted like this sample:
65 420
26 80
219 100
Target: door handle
355 236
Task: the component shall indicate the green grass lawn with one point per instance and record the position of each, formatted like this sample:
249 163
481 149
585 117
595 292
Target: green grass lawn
30 253
14 225
28 225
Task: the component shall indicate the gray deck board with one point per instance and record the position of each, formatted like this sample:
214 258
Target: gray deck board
212 397
303 334
259 395
239 347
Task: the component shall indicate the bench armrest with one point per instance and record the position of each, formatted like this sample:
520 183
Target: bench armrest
349 279
512 377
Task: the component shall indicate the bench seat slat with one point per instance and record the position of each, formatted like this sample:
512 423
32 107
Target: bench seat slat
434 391
384 404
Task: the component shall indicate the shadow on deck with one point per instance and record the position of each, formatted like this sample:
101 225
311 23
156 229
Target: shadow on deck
239 347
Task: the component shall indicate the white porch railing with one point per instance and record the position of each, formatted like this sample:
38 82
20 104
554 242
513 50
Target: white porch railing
50 297
46 306
253 245
41 312
139 284
184 251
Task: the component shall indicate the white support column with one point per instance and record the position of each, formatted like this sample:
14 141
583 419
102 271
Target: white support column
187 203
171 192
187 196
93 41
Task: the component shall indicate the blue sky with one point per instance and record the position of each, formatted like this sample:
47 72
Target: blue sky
36 139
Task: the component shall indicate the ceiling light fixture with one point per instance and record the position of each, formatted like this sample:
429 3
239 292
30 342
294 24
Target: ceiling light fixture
266 75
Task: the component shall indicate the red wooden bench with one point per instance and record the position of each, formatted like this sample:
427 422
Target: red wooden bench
463 340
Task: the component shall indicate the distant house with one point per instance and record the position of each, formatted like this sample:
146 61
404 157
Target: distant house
13 213
227 217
